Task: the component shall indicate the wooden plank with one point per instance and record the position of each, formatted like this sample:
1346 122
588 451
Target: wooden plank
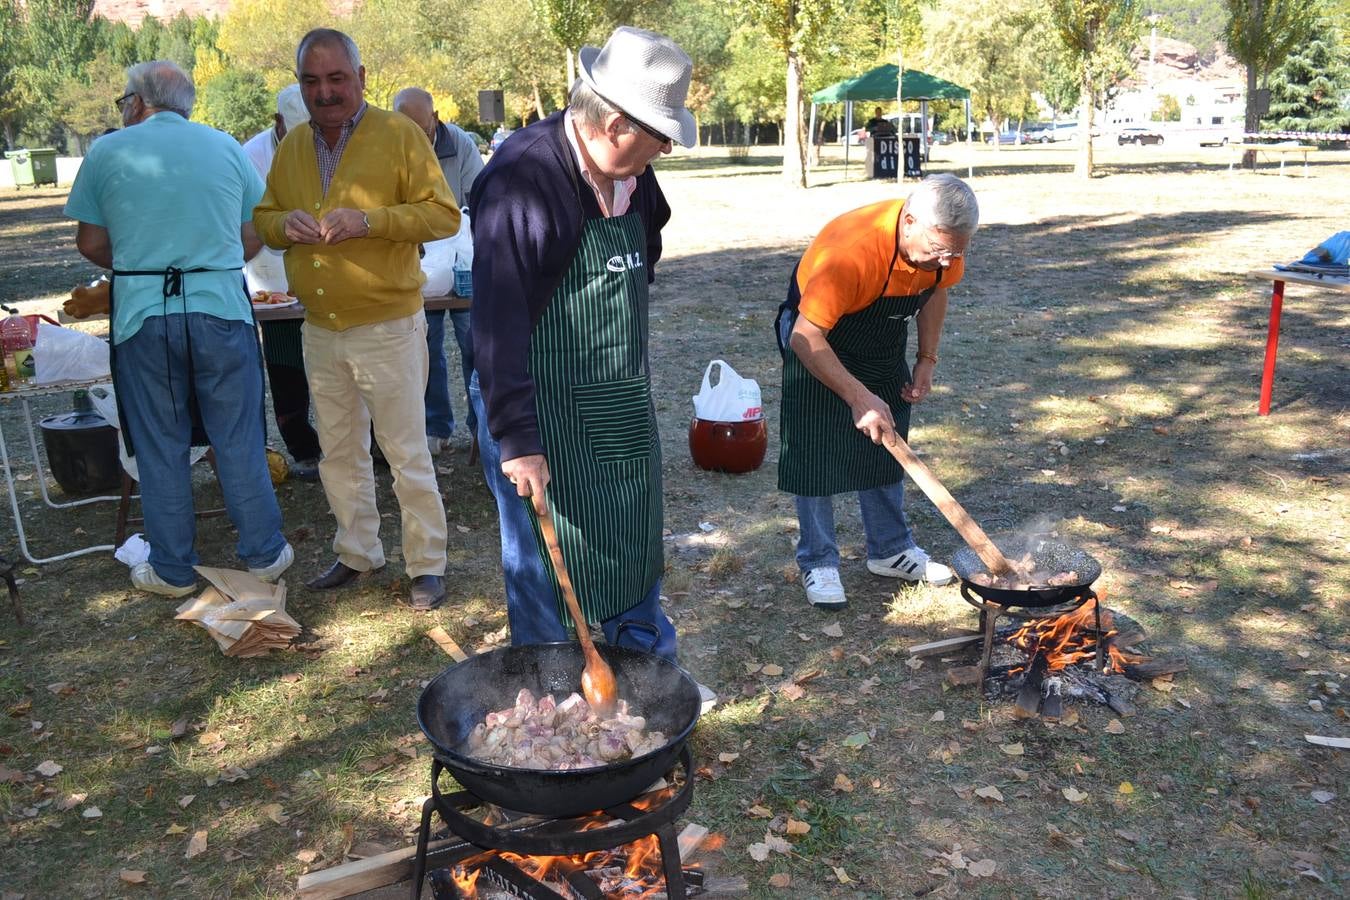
937 648
447 643
689 839
1323 741
362 874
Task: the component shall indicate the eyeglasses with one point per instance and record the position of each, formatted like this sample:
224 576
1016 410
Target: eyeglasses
650 131
942 253
123 99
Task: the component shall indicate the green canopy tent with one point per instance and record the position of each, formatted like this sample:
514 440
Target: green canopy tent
880 84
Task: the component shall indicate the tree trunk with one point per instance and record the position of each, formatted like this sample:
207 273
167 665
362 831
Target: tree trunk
794 146
571 70
1253 118
1083 168
538 101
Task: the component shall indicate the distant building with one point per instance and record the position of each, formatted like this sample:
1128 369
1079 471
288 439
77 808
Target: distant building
1208 96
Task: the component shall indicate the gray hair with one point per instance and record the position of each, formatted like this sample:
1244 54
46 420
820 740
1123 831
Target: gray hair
945 202
162 85
328 37
591 110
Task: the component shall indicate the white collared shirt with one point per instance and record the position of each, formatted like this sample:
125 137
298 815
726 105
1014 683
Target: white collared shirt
623 189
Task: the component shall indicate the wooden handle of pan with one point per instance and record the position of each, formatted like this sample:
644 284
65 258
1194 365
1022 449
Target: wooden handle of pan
968 528
541 511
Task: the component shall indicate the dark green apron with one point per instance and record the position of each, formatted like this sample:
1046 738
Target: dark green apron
823 453
588 359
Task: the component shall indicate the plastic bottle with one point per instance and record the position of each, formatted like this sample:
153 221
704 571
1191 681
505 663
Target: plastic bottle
18 344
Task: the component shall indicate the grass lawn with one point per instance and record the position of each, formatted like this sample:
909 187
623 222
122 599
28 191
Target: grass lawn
1100 368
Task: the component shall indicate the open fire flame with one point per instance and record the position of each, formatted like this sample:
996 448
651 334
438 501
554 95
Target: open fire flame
635 870
1072 638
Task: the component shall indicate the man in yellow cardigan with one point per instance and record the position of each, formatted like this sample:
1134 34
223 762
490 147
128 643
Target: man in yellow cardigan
351 234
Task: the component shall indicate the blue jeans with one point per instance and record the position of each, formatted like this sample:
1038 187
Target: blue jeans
531 604
884 523
440 414
152 384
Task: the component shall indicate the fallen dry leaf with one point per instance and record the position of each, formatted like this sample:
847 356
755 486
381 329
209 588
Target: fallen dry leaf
773 670
937 716
914 663
1323 796
1116 865
989 792
796 827
196 846
753 667
842 875
1020 774
982 868
176 829
790 690
857 740
1012 749
1125 788
70 801
132 876
1073 795
307 856
780 880
776 843
758 851
92 812
1165 687
1131 837
274 812
728 757
186 799
760 812
834 629
843 783
1115 726
49 768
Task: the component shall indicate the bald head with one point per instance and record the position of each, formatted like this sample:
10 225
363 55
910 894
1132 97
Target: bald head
417 105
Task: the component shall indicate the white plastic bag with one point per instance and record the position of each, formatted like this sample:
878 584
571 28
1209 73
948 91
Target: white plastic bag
732 399
64 354
438 265
266 272
134 551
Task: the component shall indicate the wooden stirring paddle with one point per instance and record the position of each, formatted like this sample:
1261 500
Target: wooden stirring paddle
968 528
597 680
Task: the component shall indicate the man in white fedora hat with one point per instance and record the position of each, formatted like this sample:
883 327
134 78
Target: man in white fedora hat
567 222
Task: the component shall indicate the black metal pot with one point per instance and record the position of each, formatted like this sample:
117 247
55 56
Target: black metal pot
82 452
1050 556
461 697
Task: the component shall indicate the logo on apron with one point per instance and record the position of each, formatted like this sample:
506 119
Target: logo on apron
624 262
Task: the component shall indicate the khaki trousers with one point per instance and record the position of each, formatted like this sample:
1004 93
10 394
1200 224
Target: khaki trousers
376 373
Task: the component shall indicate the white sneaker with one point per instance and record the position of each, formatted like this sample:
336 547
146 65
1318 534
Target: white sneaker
823 588
144 576
437 444
271 573
912 565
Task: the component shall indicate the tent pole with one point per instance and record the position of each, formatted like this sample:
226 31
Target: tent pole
811 137
923 129
970 150
900 106
848 133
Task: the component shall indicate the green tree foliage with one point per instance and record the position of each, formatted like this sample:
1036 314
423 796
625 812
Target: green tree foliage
570 22
1097 35
1307 90
261 35
1260 35
984 45
1167 110
58 39
12 48
86 102
237 102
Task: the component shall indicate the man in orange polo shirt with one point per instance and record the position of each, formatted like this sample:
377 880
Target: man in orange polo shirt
847 386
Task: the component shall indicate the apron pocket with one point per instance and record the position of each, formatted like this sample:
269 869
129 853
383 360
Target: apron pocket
617 419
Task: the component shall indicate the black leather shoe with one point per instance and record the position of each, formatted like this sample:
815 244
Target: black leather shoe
305 470
428 592
337 576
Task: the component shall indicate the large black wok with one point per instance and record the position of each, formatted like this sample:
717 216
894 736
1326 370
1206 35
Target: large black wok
1050 556
460 697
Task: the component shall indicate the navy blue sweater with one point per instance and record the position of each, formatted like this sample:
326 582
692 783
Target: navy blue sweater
527 209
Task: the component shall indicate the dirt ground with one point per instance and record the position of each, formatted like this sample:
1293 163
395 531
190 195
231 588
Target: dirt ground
1100 369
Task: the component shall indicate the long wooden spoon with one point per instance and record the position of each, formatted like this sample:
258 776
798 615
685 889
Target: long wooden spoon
968 528
597 680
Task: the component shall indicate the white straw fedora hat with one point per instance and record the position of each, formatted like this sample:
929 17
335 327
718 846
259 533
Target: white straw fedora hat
646 75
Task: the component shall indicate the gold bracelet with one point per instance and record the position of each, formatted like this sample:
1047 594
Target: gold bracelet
924 354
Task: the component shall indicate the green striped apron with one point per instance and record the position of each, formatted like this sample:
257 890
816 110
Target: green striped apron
588 359
823 453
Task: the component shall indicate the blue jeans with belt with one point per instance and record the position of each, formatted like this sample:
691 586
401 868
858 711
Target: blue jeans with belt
884 524
167 359
440 414
531 604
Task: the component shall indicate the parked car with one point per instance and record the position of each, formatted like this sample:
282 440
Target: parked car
498 136
1006 137
1049 133
1137 135
478 140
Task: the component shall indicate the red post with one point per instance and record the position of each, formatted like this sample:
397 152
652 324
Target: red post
1272 347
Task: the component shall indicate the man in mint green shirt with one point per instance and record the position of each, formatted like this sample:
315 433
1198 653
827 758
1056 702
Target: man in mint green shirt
167 204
